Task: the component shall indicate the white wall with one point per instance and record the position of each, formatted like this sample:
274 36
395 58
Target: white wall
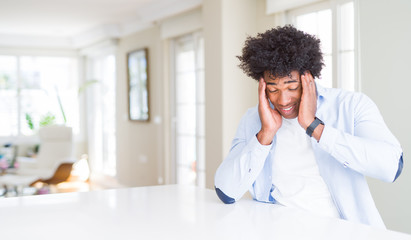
139 144
212 18
385 44
239 21
229 92
143 148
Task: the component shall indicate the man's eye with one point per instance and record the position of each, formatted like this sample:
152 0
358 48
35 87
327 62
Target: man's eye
272 91
293 89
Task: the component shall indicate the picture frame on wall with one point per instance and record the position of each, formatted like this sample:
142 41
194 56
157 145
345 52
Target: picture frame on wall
138 85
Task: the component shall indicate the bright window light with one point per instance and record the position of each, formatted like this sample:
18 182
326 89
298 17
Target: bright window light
37 91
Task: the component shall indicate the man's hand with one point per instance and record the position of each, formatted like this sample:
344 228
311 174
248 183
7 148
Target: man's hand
308 104
270 118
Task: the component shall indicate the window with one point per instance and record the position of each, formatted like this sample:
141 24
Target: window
333 23
188 119
101 114
35 91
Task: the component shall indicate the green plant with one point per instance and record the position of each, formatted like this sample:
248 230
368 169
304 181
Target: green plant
29 120
61 106
5 82
85 85
81 89
48 119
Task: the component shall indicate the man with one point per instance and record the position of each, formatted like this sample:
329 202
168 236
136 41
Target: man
306 146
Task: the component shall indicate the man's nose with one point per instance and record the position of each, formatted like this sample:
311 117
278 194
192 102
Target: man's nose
284 99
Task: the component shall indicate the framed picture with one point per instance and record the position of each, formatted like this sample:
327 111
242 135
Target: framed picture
138 98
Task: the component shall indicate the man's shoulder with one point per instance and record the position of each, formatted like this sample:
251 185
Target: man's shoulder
341 95
252 111
251 117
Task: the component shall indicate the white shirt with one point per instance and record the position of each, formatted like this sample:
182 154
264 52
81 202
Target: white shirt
296 177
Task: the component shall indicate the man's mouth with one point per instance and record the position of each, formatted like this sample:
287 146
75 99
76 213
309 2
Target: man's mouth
287 110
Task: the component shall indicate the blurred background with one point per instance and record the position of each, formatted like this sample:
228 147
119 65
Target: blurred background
151 91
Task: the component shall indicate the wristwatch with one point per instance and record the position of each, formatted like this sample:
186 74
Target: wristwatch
313 125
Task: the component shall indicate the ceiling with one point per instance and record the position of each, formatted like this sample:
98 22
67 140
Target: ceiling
71 21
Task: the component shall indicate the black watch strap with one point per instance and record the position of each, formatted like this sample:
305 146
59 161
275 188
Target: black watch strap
313 125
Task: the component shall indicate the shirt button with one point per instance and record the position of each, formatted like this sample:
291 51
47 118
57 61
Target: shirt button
346 164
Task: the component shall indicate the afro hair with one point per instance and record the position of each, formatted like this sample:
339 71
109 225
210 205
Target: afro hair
280 51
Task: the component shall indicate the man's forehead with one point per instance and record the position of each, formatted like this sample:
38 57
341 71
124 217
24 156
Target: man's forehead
273 80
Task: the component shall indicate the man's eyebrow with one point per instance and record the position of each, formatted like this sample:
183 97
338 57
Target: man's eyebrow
290 81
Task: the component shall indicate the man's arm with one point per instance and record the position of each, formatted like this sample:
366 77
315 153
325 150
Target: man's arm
371 150
246 159
241 167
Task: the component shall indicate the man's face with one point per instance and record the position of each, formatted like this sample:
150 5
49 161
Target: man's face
285 93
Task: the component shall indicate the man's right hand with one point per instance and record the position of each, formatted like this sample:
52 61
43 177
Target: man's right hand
271 119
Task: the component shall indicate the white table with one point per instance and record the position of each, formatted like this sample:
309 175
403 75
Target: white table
167 212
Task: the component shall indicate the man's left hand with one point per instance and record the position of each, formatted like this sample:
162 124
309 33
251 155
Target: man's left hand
308 104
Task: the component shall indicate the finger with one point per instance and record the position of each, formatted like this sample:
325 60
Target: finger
261 89
308 75
308 79
304 82
311 79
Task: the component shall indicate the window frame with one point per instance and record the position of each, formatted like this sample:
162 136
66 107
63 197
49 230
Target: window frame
334 5
101 164
200 163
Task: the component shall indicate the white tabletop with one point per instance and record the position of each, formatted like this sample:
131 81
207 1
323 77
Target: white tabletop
167 212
